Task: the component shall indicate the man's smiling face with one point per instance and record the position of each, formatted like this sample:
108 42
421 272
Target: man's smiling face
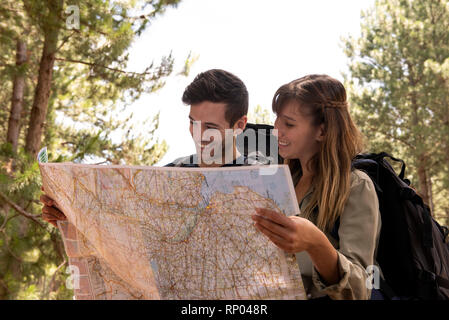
209 116
212 132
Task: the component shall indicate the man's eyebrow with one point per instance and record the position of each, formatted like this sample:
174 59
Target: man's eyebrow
206 123
211 124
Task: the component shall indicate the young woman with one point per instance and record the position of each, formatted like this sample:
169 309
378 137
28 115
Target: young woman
318 140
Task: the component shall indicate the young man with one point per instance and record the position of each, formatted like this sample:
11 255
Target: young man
218 107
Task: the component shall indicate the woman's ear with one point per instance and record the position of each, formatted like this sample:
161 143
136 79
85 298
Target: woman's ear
321 133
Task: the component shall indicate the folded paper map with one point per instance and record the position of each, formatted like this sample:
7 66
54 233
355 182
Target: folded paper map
135 232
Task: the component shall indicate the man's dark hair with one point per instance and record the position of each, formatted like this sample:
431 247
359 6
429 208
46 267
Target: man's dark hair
219 86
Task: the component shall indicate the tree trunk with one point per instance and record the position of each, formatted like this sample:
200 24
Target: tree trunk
431 204
446 142
17 97
41 97
423 186
43 88
447 217
423 180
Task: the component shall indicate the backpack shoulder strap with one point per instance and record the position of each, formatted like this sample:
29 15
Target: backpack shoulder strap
378 157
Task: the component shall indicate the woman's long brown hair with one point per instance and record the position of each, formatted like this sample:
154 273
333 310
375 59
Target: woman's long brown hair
323 99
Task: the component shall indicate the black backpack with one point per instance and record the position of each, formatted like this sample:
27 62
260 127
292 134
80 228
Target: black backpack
413 251
263 134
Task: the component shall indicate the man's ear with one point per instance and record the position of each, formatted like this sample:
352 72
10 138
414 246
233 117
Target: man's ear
240 124
321 133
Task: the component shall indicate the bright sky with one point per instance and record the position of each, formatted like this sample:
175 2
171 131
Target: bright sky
265 43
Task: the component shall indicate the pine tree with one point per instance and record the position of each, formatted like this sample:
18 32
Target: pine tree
399 89
74 85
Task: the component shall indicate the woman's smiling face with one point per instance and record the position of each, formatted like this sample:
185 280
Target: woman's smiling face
298 138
